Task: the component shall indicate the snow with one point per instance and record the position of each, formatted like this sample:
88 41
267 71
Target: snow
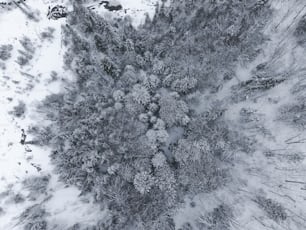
253 174
257 174
47 59
136 9
62 203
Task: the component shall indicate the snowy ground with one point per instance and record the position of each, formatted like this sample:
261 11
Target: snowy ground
277 169
134 8
30 84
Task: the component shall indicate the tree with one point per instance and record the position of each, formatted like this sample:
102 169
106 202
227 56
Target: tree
143 182
173 110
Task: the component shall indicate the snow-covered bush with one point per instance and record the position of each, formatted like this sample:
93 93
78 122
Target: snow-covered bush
219 218
36 185
186 226
19 110
47 34
5 52
26 55
274 210
300 31
184 85
165 222
40 225
18 198
2 211
33 218
294 114
263 79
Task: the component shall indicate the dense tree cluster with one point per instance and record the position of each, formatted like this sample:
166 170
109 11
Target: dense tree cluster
126 130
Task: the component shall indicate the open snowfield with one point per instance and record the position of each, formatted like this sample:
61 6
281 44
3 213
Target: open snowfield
277 169
30 84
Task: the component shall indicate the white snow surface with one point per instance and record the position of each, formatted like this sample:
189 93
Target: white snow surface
135 9
62 203
253 174
274 176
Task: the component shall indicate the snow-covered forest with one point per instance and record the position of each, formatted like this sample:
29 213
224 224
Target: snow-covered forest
152 115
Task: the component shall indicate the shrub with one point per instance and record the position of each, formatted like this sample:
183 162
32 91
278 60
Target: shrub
5 52
47 34
294 114
27 54
219 218
274 210
300 31
36 185
2 212
186 226
33 218
18 198
263 79
19 110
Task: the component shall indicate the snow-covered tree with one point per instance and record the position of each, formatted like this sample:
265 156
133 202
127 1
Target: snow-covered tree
159 160
143 182
184 85
157 137
140 94
188 150
151 82
173 111
129 77
118 95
